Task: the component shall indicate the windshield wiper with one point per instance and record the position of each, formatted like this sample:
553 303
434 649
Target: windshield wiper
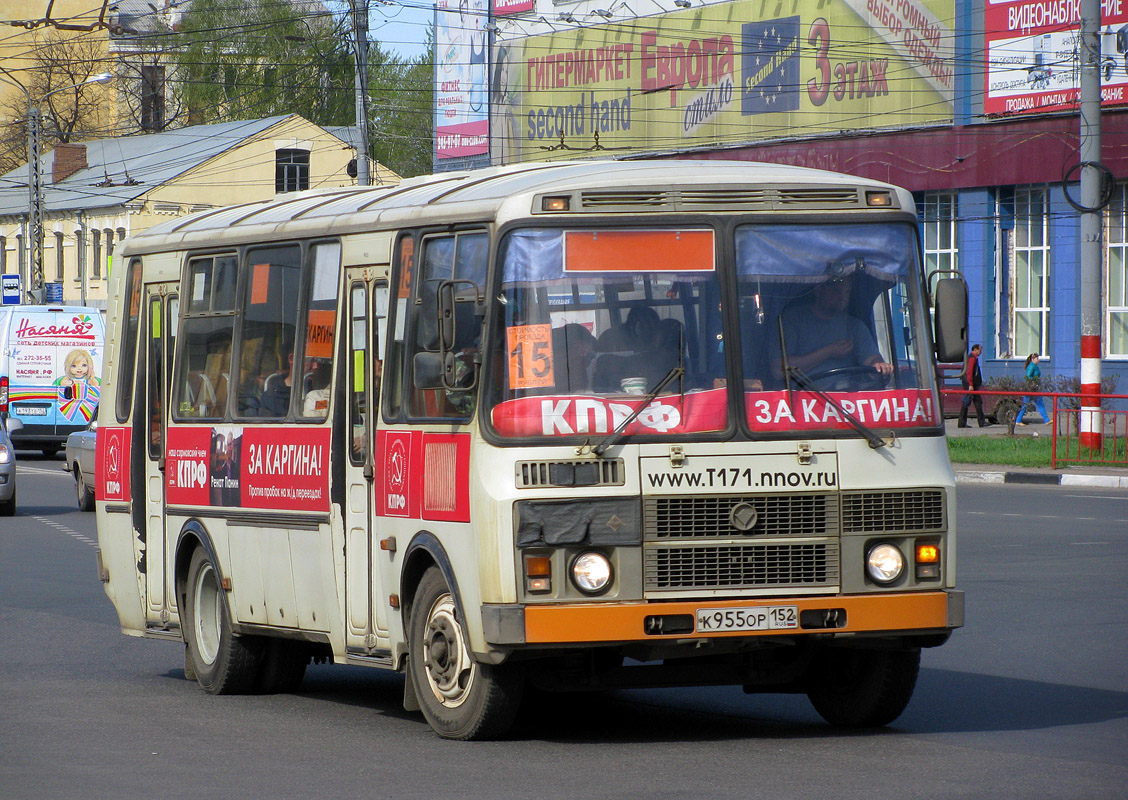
804 381
615 435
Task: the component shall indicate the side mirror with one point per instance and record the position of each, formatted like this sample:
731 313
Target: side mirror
427 371
950 305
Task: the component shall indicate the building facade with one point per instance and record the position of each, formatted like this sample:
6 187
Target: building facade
971 104
96 193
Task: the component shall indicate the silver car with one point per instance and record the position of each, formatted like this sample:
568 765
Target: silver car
81 446
7 470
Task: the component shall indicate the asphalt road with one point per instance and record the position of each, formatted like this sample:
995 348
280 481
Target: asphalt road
1028 701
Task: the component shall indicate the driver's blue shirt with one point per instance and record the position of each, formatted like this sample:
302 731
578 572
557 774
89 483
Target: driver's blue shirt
806 332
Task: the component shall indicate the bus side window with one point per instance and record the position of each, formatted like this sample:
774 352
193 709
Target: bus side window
392 373
269 325
203 362
460 257
320 330
129 342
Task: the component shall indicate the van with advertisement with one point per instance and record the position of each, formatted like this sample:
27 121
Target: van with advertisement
50 368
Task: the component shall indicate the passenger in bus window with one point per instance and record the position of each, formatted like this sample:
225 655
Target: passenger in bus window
316 401
653 351
822 337
275 400
573 350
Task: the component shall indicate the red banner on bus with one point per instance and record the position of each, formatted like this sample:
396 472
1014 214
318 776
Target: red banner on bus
700 412
112 482
267 468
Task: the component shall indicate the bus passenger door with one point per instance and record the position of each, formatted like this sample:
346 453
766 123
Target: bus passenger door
157 340
365 599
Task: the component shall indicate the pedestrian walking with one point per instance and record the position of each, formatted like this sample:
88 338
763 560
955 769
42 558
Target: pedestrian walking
1033 378
971 377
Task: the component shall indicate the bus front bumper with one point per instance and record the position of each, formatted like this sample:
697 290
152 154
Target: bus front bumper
594 623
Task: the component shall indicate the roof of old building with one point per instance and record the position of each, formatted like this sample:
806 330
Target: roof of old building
123 169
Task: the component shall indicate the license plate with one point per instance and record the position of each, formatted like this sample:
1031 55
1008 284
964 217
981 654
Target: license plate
762 618
31 411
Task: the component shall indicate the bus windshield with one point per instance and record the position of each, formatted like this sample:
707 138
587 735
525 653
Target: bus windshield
594 321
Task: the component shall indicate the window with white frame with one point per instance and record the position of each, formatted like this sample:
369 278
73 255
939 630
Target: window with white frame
1116 321
1031 287
939 227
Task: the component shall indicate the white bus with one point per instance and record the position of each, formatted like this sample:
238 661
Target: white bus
564 427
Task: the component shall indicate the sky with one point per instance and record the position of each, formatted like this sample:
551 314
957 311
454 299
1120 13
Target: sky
400 25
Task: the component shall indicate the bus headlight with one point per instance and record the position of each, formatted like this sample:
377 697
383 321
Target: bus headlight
591 572
885 563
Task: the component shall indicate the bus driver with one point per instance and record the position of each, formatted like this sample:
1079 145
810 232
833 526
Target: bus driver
821 336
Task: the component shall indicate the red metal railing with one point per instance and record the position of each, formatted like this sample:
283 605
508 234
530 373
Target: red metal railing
1065 417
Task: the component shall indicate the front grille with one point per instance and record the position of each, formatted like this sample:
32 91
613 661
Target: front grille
736 198
821 197
751 566
708 517
893 511
598 472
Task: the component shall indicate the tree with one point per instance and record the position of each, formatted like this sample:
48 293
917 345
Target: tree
69 114
262 58
402 125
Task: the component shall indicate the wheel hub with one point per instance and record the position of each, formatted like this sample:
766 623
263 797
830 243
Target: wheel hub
449 667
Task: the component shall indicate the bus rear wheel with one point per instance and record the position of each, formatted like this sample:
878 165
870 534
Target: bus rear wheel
461 698
223 662
858 688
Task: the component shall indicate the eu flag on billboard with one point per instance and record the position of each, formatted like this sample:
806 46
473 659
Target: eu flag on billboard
770 66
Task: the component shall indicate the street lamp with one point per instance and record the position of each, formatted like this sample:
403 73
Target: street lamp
34 177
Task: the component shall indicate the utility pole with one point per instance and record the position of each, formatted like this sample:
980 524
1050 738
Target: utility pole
360 48
34 285
1091 205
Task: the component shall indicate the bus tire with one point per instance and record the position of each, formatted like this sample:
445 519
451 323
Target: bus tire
858 688
283 666
84 493
223 662
460 698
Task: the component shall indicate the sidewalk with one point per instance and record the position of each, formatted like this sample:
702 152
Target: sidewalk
1090 475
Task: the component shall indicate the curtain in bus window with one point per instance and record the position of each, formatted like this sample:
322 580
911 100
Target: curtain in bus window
812 252
269 331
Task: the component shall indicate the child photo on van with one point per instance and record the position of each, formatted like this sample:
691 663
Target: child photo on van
78 366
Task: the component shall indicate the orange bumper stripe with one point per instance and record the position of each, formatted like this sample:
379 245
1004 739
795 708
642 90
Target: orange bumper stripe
623 622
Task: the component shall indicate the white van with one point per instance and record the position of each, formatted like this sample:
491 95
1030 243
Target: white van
50 368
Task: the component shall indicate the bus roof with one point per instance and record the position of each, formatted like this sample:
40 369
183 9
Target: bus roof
610 186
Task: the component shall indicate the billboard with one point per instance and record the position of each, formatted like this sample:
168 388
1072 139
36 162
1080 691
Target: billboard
1032 63
461 108
724 74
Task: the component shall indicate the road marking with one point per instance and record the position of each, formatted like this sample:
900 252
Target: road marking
1096 497
41 471
64 529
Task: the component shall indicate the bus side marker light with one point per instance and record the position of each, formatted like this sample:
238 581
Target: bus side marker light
388 544
927 561
393 600
538 573
556 203
879 199
927 554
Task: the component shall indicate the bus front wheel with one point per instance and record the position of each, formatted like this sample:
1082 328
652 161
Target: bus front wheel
461 698
223 662
858 688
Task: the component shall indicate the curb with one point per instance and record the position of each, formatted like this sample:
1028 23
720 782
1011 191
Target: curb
1044 479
